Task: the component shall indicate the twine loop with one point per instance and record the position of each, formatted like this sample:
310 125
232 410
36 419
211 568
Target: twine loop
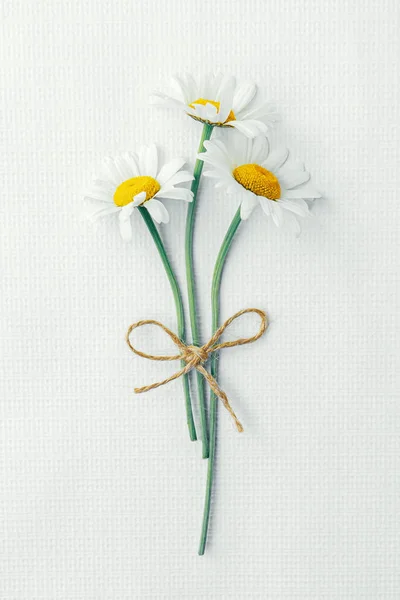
195 356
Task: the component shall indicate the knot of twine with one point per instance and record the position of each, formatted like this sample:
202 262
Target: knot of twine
195 356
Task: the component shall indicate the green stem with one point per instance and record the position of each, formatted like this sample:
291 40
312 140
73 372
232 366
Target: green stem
216 284
206 134
179 309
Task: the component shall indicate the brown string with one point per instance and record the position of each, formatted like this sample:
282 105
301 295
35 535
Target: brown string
194 356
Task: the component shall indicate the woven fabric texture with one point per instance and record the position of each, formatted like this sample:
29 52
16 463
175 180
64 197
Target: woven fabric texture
101 490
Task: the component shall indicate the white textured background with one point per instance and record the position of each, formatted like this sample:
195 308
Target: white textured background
102 492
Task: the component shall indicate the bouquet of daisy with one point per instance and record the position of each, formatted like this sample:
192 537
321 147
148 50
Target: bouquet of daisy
239 157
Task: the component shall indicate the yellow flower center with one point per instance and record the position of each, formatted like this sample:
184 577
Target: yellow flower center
258 180
204 101
125 193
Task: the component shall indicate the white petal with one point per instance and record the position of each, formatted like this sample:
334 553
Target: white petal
205 112
292 224
210 85
246 151
276 214
157 210
124 219
298 207
211 113
217 173
99 196
105 211
192 88
105 186
295 164
132 161
111 171
304 191
175 194
183 87
179 177
249 203
225 97
138 199
216 154
249 128
244 94
124 169
291 179
220 170
148 160
276 159
258 125
233 187
197 110
220 184
158 99
227 84
260 149
214 158
169 169
266 205
265 112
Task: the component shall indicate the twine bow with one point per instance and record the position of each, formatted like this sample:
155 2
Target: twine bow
195 356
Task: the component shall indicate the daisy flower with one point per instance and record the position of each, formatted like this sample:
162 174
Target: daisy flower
277 182
132 180
258 176
218 101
